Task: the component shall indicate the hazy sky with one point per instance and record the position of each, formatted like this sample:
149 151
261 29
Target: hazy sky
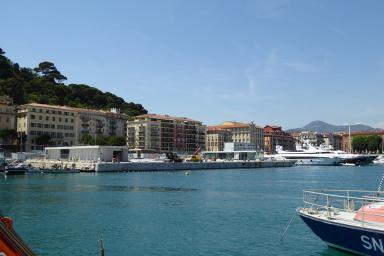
272 62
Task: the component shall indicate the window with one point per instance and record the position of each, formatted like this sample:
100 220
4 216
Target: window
66 120
40 118
59 119
32 116
53 118
52 126
47 118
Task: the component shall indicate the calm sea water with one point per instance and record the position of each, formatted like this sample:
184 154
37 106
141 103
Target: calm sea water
212 212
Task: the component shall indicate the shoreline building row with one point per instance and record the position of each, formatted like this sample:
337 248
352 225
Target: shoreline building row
64 125
163 133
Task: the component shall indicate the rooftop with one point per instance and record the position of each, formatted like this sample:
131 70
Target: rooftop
167 117
233 124
83 110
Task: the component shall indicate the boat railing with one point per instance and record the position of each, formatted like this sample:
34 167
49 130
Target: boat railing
346 205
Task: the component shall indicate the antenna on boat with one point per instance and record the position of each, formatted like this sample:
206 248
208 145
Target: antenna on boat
381 183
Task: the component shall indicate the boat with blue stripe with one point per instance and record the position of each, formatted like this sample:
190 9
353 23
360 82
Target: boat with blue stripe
350 220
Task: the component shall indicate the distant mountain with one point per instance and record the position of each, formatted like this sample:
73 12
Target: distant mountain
320 126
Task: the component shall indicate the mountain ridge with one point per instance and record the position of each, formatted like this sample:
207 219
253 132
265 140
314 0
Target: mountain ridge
323 127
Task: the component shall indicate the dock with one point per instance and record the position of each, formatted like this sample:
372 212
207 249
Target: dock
87 166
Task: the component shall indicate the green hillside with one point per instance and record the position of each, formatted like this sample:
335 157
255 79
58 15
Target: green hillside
44 84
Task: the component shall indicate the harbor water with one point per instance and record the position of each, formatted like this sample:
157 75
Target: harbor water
208 212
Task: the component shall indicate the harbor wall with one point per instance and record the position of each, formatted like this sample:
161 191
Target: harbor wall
166 166
151 166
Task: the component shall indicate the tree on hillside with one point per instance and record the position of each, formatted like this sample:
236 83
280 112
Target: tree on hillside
49 71
43 84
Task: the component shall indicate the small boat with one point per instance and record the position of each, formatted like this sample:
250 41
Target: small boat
18 169
10 242
349 220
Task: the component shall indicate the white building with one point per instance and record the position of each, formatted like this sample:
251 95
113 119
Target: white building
88 153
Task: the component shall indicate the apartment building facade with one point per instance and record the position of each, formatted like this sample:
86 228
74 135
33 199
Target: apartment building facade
216 137
275 136
98 123
164 133
65 125
246 133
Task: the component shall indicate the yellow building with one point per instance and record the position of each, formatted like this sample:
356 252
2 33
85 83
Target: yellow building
7 113
7 119
35 120
246 133
216 137
163 133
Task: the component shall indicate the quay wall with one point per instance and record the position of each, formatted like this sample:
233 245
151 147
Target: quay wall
92 166
129 166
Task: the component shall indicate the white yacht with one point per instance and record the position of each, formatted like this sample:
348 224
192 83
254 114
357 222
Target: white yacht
309 156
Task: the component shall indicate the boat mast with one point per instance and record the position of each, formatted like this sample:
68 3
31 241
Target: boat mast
349 138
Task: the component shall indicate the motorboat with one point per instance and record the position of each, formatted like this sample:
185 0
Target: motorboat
15 169
309 156
349 220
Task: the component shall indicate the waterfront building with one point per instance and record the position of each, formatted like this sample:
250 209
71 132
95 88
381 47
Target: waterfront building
275 136
246 133
7 113
7 116
64 126
98 123
313 138
235 151
58 123
88 153
164 133
332 140
216 137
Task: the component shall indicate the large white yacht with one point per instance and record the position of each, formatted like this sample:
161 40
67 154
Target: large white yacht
309 156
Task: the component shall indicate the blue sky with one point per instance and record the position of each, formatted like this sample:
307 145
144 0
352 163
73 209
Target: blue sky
272 62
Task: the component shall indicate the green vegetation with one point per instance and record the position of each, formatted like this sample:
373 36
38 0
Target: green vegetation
44 84
370 143
103 140
8 135
43 140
